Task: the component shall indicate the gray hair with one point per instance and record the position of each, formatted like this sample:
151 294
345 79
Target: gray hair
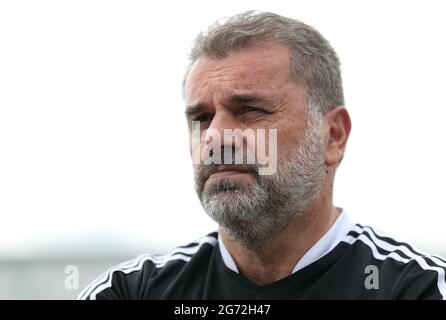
314 63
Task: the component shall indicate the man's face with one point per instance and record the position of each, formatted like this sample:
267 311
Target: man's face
254 89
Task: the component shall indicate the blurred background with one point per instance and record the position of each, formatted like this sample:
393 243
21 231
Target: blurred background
94 163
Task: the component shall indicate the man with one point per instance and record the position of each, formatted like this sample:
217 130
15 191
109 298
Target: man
279 236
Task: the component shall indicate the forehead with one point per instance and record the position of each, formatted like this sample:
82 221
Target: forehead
261 68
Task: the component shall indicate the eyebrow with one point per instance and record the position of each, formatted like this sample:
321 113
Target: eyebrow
254 97
191 110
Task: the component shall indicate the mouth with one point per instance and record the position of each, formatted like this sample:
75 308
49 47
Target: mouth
227 171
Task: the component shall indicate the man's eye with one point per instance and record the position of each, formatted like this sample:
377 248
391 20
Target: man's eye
203 117
247 109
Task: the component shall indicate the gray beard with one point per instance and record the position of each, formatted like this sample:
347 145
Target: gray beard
255 213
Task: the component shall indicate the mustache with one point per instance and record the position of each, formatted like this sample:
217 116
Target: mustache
226 158
205 170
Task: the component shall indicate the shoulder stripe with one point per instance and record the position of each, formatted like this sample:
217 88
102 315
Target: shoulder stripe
197 241
130 263
384 251
177 253
373 243
396 245
387 238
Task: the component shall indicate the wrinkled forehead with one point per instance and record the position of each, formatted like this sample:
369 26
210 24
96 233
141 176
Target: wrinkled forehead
262 69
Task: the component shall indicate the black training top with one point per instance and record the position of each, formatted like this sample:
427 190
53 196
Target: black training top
356 263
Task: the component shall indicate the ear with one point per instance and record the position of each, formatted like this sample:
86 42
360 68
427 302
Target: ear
338 126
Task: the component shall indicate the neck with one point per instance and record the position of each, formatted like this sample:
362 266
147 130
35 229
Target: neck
277 259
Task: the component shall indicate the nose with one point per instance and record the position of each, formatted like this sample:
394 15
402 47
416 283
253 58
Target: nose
223 120
221 138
